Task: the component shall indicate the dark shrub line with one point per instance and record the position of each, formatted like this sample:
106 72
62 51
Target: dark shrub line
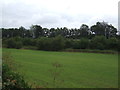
60 43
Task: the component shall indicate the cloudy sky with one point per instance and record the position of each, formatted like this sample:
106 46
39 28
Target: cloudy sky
57 13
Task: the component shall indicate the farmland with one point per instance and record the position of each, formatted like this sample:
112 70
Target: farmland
78 70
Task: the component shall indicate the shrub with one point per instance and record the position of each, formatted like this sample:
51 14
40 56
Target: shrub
10 43
84 43
112 43
29 42
98 42
76 44
14 43
58 43
18 44
118 45
68 43
50 44
12 80
81 43
44 43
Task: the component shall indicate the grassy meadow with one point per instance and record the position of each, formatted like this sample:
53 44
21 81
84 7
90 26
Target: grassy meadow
78 70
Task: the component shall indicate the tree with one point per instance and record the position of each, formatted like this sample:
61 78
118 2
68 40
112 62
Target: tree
58 43
22 31
84 30
112 43
111 31
98 42
104 29
15 42
98 29
37 31
64 31
52 32
44 43
84 43
46 32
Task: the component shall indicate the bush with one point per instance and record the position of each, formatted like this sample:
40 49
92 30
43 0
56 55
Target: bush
81 43
84 43
68 43
118 45
12 80
50 44
10 43
98 42
14 43
44 43
58 43
29 42
112 43
18 44
76 44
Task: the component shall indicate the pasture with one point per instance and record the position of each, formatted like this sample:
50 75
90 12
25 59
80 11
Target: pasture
78 70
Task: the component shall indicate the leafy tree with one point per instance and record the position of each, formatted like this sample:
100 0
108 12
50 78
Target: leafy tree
84 43
111 31
11 80
37 31
22 31
98 42
68 43
76 44
10 43
46 32
118 46
29 41
112 43
84 30
99 28
44 43
14 43
52 32
58 43
64 31
103 29
51 44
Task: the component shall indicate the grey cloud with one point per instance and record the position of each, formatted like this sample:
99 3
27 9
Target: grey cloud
47 19
19 13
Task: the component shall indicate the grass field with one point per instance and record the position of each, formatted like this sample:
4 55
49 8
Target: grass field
79 70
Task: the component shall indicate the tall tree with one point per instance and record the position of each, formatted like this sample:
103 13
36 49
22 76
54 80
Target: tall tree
84 30
37 31
52 32
103 28
22 31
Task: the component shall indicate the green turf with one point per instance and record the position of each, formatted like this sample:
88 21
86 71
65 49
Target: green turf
80 70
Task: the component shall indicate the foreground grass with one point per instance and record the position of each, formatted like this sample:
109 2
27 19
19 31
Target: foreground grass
81 70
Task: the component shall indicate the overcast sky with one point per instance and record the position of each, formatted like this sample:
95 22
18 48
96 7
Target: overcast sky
57 13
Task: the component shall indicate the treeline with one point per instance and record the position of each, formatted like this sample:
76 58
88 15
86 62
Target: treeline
60 43
36 31
100 36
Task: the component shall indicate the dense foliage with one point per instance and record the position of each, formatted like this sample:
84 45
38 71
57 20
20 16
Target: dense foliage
100 36
12 80
14 43
36 31
60 43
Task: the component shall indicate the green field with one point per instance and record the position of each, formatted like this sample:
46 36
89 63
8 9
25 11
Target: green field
79 70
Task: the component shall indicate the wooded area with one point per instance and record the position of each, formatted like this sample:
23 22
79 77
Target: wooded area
101 36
